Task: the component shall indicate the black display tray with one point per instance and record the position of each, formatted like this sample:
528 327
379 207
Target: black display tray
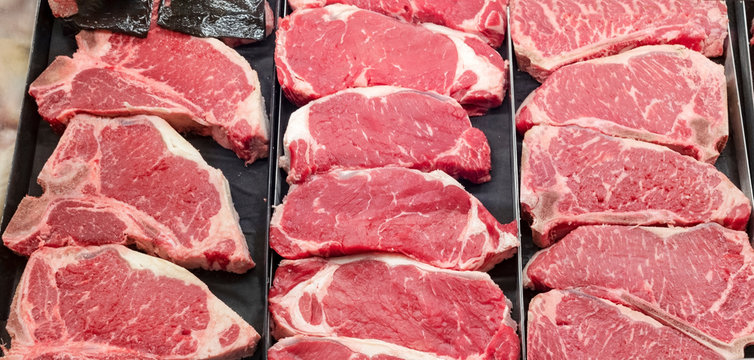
733 161
250 186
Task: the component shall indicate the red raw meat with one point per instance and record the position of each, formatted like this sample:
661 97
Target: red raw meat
383 126
548 34
484 18
667 95
455 314
572 176
699 279
318 348
109 302
197 84
325 50
132 180
428 217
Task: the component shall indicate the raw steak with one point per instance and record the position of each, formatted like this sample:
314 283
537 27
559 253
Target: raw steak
572 176
572 325
132 180
666 95
485 18
383 126
699 278
324 50
548 34
318 348
109 302
199 85
428 217
456 314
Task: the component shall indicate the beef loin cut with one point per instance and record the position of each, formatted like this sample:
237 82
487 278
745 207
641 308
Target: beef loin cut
572 325
455 314
324 50
700 278
381 126
111 302
124 180
572 176
428 217
549 34
485 18
318 348
666 94
196 84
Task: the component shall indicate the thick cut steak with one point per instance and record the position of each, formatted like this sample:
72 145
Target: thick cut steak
548 34
664 94
132 180
428 217
196 84
324 50
109 302
572 176
455 314
382 126
318 348
485 18
699 278
572 325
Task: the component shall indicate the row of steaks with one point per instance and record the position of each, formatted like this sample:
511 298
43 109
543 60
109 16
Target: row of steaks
645 251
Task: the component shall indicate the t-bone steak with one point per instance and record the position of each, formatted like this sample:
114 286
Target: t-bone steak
132 180
197 84
699 278
664 94
573 325
321 51
428 217
455 314
484 18
318 348
548 34
572 176
109 302
381 126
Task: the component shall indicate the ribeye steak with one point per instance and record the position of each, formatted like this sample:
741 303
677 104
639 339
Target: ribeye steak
572 325
382 126
573 176
664 94
485 18
699 278
196 84
318 348
324 50
548 34
109 302
132 180
428 217
456 314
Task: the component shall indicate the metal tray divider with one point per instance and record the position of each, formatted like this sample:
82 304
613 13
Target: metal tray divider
516 208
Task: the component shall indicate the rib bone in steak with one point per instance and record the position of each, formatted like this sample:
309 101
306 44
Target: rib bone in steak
663 94
109 302
318 348
455 314
123 180
324 50
699 278
428 217
485 18
572 325
548 34
196 84
382 126
572 176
